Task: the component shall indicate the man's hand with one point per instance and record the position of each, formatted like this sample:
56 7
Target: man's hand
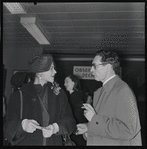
89 111
81 128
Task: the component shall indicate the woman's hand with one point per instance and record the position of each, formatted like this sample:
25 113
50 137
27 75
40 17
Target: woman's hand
47 131
30 125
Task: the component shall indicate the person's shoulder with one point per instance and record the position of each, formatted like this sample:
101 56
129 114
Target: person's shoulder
27 85
62 92
14 93
123 88
27 88
78 92
78 96
14 97
120 84
97 90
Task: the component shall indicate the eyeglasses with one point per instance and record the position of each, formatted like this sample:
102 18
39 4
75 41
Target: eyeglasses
95 65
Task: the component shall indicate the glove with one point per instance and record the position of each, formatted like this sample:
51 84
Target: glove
50 130
47 131
30 125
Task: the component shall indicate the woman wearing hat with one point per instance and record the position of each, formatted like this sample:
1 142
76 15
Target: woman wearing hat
46 112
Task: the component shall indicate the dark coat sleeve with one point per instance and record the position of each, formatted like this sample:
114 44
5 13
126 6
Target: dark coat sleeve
12 128
76 104
66 121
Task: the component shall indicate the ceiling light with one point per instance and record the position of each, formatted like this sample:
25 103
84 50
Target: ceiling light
15 8
30 24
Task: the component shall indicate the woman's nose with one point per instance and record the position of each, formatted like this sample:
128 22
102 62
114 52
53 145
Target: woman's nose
55 71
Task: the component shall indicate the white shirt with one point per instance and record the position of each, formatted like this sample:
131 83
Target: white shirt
109 79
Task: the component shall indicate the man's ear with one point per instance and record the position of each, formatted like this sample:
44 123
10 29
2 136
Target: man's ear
109 67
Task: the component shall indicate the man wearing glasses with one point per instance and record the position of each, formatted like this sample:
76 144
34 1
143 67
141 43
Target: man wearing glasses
113 119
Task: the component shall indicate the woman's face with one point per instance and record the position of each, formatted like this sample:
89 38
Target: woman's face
49 75
69 84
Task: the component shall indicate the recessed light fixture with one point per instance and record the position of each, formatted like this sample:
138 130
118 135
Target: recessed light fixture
31 25
15 8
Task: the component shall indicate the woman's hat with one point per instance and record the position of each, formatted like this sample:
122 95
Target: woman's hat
41 63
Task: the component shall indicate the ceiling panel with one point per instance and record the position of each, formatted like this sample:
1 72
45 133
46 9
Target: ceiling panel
104 6
80 28
57 16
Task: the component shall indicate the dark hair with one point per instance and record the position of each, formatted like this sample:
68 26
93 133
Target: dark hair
17 79
20 78
75 79
111 58
29 75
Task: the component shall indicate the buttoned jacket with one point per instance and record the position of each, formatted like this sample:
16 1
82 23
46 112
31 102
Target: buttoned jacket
116 121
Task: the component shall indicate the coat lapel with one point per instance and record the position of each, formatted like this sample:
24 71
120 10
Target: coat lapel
100 99
101 96
51 104
45 114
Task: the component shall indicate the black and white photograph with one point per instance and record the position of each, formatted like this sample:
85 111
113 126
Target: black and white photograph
73 73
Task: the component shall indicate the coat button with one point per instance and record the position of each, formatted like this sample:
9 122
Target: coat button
97 123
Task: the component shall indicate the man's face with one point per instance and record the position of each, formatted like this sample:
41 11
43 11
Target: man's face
98 70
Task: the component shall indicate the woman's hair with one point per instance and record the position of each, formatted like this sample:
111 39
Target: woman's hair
30 76
75 79
20 78
17 80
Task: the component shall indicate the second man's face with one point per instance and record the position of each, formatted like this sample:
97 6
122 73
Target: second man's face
98 70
